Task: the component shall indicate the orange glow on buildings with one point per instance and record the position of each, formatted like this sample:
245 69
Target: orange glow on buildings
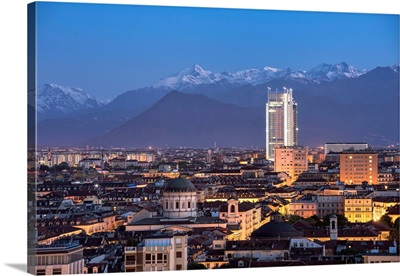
359 166
291 160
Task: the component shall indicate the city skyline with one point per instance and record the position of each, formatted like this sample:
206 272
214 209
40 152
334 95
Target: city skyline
110 49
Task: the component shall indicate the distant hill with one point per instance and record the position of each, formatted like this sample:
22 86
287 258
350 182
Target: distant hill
191 120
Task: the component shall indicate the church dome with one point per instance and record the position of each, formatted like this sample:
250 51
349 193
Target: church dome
179 185
276 229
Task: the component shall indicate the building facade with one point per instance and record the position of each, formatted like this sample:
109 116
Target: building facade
358 209
357 167
162 252
291 160
57 259
303 208
281 121
340 147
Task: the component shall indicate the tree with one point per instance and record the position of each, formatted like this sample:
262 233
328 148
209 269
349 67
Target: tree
44 168
62 166
386 220
341 220
395 231
294 218
132 242
194 265
317 221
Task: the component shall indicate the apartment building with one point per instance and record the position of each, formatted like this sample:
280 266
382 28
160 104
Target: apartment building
358 208
159 252
357 167
291 160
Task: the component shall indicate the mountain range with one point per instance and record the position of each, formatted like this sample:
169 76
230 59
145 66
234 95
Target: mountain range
196 108
54 101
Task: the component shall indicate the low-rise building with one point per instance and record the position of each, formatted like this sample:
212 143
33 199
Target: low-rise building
303 207
358 208
62 257
159 252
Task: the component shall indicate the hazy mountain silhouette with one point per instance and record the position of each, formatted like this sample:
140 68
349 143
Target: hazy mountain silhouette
192 120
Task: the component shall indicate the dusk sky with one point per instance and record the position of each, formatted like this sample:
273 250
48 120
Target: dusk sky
110 49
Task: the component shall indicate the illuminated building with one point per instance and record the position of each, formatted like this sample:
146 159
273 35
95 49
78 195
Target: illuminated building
291 160
281 121
58 258
159 252
357 167
358 209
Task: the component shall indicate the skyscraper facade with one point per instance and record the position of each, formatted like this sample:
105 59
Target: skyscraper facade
281 121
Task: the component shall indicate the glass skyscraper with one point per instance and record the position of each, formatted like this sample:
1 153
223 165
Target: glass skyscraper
281 121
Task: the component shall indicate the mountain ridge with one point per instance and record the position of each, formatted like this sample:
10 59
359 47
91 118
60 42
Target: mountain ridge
344 109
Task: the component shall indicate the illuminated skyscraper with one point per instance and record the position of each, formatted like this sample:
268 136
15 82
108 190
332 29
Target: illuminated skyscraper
281 121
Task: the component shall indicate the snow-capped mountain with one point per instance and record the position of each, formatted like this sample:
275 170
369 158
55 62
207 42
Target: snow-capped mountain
195 75
329 72
55 99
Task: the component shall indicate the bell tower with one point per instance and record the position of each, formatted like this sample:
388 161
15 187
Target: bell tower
333 231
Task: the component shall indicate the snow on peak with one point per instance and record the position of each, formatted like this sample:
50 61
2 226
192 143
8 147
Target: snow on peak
267 68
56 98
196 75
329 72
193 75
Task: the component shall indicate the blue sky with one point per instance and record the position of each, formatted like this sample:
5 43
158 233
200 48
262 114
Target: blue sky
110 49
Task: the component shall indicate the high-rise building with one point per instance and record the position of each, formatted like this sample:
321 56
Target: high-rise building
281 121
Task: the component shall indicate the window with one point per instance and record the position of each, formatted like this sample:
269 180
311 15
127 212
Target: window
166 205
176 204
148 258
41 272
159 257
57 271
179 254
178 267
189 204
